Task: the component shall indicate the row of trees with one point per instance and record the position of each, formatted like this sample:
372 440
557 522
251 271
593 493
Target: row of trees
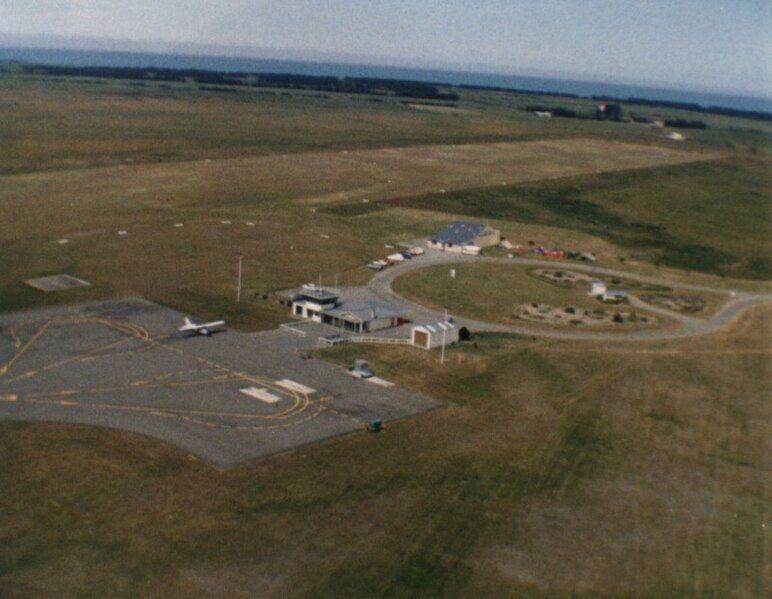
356 85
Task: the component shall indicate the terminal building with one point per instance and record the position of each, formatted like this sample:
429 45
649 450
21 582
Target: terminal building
315 303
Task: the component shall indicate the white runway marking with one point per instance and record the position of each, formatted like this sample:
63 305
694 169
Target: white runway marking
260 394
291 385
379 381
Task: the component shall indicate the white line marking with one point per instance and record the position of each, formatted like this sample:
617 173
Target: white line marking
294 386
261 394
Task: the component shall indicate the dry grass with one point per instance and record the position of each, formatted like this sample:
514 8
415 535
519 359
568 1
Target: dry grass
69 124
192 267
561 468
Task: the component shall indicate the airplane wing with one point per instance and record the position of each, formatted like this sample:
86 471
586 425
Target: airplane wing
202 327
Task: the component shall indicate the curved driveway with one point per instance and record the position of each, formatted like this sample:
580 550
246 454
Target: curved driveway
380 286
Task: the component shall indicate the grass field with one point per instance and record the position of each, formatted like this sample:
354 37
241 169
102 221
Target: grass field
560 469
497 290
292 241
51 122
74 123
710 216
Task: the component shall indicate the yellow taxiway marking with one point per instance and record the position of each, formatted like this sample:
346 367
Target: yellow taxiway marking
166 414
299 402
24 348
27 375
179 411
88 354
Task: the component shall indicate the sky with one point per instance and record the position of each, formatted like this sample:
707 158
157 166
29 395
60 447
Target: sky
706 44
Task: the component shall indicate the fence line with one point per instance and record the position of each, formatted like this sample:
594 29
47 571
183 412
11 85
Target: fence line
386 340
292 329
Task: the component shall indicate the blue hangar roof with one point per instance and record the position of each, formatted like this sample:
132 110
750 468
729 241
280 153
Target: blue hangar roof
459 233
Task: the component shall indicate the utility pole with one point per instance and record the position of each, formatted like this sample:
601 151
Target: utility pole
238 282
444 325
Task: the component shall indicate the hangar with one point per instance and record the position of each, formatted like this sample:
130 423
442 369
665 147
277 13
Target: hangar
460 234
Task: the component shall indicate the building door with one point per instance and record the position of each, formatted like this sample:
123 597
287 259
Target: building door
421 339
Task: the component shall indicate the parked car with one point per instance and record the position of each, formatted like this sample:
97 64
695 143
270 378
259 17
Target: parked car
360 370
374 425
376 266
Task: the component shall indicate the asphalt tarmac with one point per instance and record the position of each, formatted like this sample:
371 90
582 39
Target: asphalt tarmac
122 364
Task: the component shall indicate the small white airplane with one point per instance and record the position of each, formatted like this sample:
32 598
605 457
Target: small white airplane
200 328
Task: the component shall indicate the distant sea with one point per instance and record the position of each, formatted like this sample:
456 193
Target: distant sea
263 65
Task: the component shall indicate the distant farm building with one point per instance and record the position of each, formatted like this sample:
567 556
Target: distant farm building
324 306
598 288
464 237
611 112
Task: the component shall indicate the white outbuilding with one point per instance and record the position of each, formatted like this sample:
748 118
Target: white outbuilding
428 336
598 289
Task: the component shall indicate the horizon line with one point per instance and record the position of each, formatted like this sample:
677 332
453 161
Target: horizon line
194 49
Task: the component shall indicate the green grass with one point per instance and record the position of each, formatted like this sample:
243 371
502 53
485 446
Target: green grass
498 289
712 217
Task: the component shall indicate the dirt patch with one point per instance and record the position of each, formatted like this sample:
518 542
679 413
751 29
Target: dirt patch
572 316
572 279
440 109
677 303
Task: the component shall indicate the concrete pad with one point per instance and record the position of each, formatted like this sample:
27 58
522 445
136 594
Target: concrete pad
56 283
261 394
375 380
122 364
295 386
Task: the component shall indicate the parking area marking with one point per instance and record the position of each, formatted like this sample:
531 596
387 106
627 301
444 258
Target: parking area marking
295 386
261 394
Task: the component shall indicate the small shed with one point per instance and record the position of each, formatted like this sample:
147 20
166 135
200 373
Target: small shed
614 296
598 288
428 336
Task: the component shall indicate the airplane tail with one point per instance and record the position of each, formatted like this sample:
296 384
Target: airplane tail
188 322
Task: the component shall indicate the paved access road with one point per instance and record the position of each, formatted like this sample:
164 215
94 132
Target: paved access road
688 326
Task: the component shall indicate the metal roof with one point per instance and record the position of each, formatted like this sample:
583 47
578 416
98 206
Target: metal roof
434 327
460 233
317 293
362 311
